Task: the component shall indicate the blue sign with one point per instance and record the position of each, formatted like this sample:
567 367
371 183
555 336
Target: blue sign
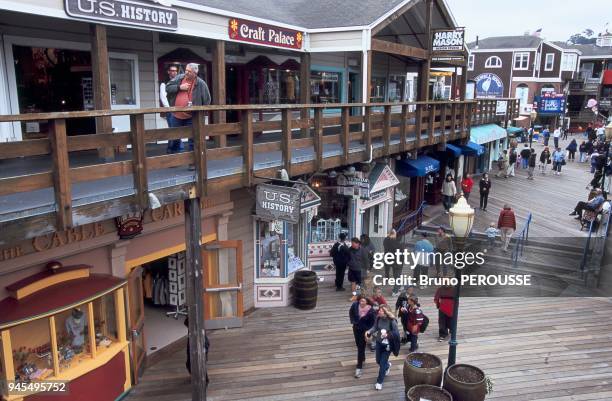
549 104
489 85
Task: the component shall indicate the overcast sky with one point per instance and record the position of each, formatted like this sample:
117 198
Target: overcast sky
559 19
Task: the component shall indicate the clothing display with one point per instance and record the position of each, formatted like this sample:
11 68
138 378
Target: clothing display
155 283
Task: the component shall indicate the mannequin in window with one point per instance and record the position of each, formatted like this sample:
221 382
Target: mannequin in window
75 327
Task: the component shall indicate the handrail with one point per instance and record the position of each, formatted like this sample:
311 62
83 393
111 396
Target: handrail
417 216
522 237
586 252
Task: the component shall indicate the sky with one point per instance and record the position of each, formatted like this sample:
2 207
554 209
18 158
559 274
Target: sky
559 19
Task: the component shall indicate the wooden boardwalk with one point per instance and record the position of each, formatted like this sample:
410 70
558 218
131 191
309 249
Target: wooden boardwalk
549 198
534 349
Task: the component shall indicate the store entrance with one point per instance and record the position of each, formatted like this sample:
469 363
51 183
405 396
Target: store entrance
374 222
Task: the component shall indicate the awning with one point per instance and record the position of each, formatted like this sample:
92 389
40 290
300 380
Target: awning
514 131
486 133
419 167
520 118
472 149
454 149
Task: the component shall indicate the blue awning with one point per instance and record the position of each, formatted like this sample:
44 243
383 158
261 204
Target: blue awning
454 149
486 133
472 149
419 167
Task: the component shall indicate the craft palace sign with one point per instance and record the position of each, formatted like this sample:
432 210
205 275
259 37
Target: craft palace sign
254 32
123 12
448 40
274 202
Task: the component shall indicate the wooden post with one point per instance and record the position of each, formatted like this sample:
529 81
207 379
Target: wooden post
403 121
463 82
101 83
318 137
453 134
443 121
54 348
367 129
367 88
195 298
247 146
418 124
61 175
305 91
139 160
199 152
426 65
286 139
7 355
431 138
387 130
91 329
218 86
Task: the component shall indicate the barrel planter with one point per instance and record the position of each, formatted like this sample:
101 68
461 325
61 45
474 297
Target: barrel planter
305 289
428 392
422 368
465 382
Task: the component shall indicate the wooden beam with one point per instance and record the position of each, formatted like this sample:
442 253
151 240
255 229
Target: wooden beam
399 49
430 128
318 137
286 139
61 175
305 90
423 93
101 83
199 152
402 10
443 122
453 121
247 146
367 129
387 130
403 122
218 86
54 347
419 124
139 160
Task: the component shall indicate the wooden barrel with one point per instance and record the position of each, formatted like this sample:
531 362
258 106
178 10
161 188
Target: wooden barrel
422 368
428 392
305 288
465 382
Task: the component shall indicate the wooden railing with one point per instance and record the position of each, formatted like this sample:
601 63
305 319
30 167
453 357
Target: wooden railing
393 128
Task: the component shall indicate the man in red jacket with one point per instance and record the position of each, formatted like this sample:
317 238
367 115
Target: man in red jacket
445 302
507 225
466 186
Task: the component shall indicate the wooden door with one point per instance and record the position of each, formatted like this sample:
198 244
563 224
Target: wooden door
138 349
223 286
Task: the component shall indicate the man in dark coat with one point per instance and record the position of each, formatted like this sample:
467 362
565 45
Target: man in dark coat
390 245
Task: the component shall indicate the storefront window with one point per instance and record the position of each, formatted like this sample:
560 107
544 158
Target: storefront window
332 215
73 344
31 345
105 321
402 195
273 86
325 87
377 93
122 80
397 85
293 248
270 236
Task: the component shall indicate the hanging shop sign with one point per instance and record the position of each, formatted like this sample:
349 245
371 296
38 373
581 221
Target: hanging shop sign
130 225
501 107
489 85
448 40
254 32
124 12
274 202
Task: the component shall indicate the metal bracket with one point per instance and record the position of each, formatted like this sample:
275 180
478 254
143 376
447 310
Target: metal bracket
238 288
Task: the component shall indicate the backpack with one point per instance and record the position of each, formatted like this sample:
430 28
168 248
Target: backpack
424 324
340 254
396 340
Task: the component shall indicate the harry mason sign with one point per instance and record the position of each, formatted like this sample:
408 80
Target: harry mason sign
124 12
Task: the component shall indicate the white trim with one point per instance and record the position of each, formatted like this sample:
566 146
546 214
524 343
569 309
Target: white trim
518 49
552 62
551 44
6 130
335 49
535 79
603 56
489 62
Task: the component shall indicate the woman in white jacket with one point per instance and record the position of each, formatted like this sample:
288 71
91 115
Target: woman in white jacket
449 190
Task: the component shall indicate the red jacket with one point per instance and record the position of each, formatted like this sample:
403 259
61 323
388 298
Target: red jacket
445 300
466 185
506 219
379 300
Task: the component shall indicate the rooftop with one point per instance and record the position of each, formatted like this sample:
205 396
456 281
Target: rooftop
507 42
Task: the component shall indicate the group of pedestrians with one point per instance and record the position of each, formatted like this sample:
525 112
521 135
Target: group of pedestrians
450 193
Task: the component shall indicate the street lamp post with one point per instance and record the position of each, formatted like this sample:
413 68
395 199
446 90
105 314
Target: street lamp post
532 116
461 219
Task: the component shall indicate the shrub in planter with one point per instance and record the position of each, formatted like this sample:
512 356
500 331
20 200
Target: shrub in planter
466 383
428 392
422 368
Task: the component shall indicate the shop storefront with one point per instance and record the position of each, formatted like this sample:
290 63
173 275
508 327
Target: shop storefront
352 202
488 141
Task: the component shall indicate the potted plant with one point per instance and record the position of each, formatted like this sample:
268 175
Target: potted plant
467 383
422 368
428 392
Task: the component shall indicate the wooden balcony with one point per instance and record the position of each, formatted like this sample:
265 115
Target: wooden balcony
47 185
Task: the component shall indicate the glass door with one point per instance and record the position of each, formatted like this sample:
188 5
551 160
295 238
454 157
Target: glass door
223 286
136 321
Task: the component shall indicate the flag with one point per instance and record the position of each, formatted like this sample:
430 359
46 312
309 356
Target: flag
538 32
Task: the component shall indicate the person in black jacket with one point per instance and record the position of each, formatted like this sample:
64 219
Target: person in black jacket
390 245
362 317
358 262
511 162
582 151
485 186
531 164
341 256
525 153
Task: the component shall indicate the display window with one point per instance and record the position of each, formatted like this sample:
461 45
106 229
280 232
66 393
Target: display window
31 348
273 86
122 82
325 86
397 88
332 215
270 237
377 91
